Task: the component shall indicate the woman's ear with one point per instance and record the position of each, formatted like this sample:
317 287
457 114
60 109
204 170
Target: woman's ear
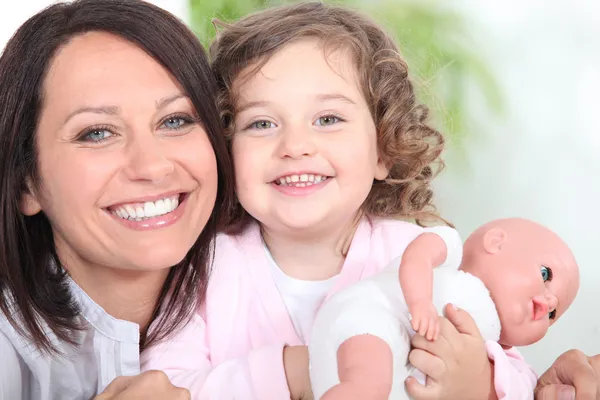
493 240
29 204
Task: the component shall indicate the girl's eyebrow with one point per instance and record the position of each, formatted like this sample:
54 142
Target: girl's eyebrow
334 96
252 104
321 98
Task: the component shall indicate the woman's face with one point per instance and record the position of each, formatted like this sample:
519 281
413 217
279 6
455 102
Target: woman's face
128 175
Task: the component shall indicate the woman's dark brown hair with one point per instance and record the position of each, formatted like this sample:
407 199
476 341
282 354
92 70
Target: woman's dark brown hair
33 292
409 146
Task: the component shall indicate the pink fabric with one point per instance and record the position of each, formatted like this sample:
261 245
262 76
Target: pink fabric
233 348
514 379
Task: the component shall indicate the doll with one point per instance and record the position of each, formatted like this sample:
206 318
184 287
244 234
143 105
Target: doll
516 278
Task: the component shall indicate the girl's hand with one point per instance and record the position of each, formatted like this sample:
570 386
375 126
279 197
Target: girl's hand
150 385
295 363
572 372
456 364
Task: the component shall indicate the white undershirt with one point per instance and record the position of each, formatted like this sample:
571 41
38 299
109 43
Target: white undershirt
301 298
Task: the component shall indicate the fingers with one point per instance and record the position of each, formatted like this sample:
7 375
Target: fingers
427 363
156 383
153 378
441 346
595 363
424 327
575 369
182 394
118 385
148 385
431 330
418 391
462 320
416 324
554 392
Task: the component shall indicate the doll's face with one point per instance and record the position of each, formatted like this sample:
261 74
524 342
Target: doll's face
532 281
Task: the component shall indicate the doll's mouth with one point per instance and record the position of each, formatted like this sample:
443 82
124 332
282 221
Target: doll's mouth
540 309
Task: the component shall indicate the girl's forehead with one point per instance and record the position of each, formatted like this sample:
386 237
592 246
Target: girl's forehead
303 52
300 66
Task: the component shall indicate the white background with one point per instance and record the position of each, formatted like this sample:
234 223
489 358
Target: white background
541 161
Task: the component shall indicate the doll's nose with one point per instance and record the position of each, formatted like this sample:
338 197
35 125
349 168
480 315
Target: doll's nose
552 301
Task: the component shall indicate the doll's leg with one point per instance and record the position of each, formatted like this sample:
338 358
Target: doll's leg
361 320
364 368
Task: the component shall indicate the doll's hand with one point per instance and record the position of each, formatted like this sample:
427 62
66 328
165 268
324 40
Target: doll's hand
456 364
424 319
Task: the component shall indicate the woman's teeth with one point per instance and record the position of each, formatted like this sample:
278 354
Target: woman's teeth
149 209
301 180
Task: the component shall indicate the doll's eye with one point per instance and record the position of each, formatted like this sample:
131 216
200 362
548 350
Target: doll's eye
552 314
546 273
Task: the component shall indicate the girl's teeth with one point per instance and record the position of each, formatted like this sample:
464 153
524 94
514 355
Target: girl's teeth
302 180
149 209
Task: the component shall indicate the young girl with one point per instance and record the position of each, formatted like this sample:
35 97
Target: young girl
332 157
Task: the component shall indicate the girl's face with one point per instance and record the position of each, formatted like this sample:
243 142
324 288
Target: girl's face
128 178
305 146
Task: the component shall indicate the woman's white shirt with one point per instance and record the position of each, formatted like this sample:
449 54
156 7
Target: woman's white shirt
107 348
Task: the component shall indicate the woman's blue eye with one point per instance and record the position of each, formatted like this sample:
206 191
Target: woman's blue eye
263 124
327 120
546 273
174 122
98 135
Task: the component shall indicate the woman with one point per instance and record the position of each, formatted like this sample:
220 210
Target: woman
111 160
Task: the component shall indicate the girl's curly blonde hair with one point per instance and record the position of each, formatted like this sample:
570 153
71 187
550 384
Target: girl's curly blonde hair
409 147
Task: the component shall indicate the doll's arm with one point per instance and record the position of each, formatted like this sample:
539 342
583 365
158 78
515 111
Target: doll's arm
364 369
426 252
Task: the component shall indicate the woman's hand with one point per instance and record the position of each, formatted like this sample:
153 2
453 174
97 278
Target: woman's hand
572 373
150 385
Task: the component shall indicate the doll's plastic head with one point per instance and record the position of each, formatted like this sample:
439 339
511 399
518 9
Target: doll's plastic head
530 272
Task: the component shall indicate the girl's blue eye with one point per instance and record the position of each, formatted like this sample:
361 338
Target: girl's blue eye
546 273
327 120
97 135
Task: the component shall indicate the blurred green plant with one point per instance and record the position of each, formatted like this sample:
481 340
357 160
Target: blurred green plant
441 54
